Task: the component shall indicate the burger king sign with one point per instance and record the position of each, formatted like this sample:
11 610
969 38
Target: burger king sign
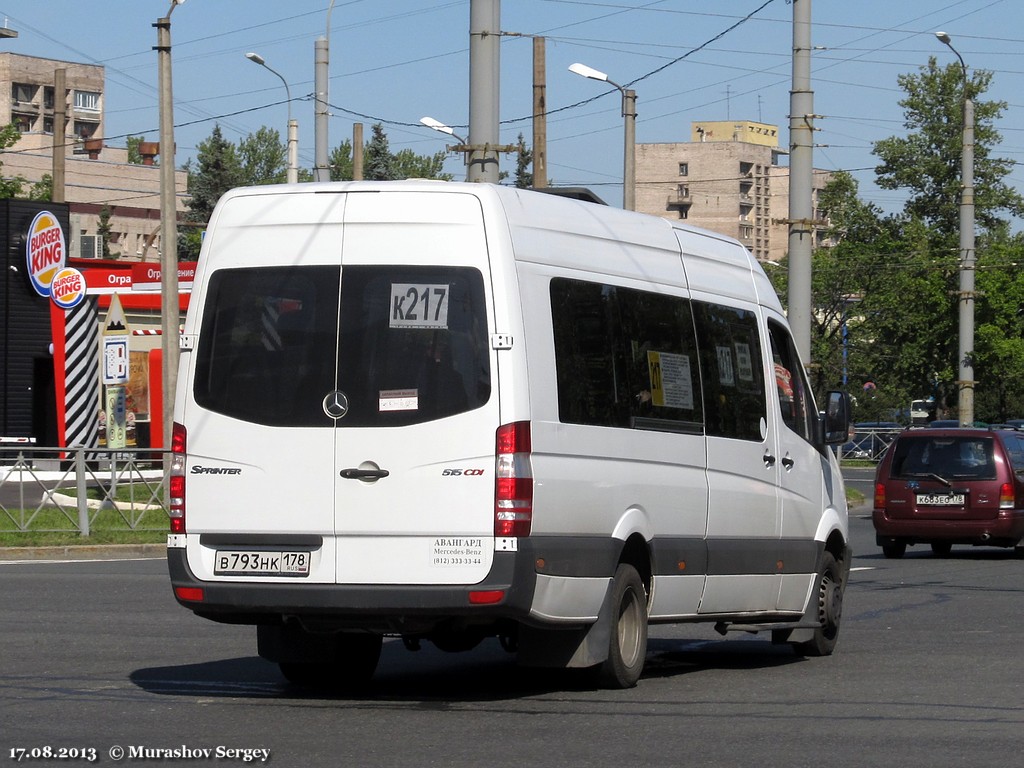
45 252
67 289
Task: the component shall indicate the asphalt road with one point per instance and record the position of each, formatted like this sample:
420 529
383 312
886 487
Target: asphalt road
97 655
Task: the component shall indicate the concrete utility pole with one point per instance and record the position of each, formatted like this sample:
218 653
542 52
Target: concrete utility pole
968 255
801 170
170 321
60 109
357 151
484 76
321 87
540 120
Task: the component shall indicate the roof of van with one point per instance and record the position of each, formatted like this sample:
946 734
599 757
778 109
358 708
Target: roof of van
590 236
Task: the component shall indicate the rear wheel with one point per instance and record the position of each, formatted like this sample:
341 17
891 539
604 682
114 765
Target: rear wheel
830 610
354 661
894 550
627 646
941 548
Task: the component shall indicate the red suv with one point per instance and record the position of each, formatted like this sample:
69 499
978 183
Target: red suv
951 486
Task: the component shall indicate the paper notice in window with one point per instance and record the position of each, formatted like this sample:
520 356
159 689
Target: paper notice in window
671 380
418 306
398 400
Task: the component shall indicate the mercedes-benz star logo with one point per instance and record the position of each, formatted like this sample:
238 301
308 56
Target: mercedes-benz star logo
336 404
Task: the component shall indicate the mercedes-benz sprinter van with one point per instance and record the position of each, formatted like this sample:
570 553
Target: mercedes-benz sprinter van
447 411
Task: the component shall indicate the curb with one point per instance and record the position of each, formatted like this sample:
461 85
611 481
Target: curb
84 552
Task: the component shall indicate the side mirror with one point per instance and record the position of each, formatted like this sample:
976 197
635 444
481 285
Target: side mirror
836 422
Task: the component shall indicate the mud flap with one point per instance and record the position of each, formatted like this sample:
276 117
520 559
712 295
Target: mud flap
567 648
810 620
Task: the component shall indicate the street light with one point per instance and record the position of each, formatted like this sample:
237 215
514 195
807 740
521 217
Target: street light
170 320
437 125
629 150
965 379
293 126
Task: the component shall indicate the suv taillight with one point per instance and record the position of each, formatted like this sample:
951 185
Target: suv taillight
513 481
1006 499
176 481
880 496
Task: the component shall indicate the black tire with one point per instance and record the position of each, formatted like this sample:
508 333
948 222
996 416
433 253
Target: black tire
830 610
941 548
355 660
894 550
627 645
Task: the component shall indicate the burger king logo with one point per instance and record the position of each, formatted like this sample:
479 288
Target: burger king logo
67 289
45 252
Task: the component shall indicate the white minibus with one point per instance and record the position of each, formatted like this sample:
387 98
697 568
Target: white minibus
448 412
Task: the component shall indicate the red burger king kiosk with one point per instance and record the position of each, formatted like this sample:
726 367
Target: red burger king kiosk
52 309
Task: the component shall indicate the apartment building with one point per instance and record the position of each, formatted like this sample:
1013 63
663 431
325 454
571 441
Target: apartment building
727 178
98 177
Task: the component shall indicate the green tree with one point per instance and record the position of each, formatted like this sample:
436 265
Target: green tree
524 161
42 190
134 155
9 134
378 162
409 165
263 157
217 169
103 230
340 161
926 161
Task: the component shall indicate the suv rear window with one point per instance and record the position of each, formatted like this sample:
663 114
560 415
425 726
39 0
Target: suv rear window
412 347
948 456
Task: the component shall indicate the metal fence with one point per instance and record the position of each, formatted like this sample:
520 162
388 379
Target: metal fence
869 444
80 489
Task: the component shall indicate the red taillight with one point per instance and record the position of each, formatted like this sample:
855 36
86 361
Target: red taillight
513 481
880 496
176 480
192 594
486 597
1006 499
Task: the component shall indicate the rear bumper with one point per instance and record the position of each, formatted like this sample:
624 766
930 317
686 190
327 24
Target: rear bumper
390 608
509 592
1005 528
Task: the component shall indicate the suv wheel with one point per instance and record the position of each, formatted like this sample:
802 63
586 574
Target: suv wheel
894 550
941 548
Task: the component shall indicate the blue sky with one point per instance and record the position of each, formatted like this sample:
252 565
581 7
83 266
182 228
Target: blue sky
397 61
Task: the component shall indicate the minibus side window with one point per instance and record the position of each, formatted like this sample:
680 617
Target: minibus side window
625 358
794 394
731 371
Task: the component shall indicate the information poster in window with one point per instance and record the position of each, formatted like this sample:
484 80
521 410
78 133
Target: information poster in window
671 380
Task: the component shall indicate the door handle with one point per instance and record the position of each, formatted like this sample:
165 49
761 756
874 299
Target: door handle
355 473
769 459
788 462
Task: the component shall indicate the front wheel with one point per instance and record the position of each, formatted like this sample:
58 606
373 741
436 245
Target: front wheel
627 646
830 610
